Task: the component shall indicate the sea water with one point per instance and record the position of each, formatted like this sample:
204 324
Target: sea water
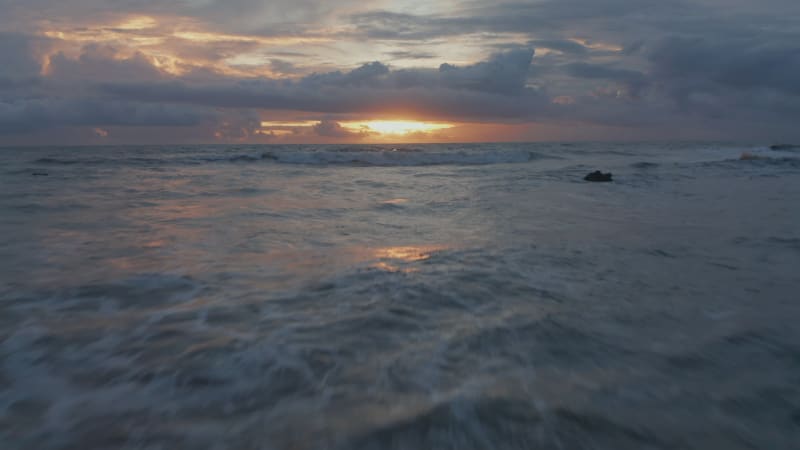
400 297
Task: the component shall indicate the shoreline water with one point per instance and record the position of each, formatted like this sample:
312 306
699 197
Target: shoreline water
442 297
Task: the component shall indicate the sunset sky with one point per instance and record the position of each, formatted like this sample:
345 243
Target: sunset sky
313 71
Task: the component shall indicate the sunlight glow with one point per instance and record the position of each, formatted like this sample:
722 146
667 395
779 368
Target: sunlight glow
408 253
275 132
299 123
210 37
395 259
364 128
597 45
137 23
395 127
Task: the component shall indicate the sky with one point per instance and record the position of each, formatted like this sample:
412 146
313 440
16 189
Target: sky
327 71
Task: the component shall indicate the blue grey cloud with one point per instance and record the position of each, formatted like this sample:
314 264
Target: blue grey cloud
486 90
729 66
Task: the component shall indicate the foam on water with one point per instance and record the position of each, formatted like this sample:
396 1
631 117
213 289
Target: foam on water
449 297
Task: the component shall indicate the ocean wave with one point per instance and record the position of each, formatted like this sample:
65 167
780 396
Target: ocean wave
101 161
65 162
398 157
775 159
734 158
375 149
504 422
772 152
341 156
785 147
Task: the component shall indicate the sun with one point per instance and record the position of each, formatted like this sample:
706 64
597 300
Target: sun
395 127
364 130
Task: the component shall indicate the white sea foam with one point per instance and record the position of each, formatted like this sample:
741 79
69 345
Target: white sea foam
365 297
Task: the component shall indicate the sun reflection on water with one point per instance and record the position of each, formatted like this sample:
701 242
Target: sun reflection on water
392 258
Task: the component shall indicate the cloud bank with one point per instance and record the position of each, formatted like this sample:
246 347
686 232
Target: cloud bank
214 72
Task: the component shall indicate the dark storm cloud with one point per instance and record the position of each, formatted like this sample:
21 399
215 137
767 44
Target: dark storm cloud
16 83
30 102
503 73
19 55
333 129
38 114
742 64
633 80
488 90
101 63
422 102
598 71
136 97
369 74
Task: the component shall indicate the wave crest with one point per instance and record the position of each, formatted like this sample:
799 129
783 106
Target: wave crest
398 157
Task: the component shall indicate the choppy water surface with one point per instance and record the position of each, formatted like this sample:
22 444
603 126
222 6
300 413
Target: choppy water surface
427 297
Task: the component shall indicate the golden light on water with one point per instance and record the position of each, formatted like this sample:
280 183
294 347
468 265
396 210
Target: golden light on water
396 201
407 253
395 127
393 259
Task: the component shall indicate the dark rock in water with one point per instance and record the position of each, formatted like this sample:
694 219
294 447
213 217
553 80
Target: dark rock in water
598 176
783 147
40 174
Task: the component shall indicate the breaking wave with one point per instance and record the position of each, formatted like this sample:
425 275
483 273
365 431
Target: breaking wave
399 157
785 147
313 156
775 154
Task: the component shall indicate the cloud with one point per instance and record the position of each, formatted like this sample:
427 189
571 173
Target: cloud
20 55
232 15
505 17
488 90
503 73
695 63
329 128
368 74
103 63
410 55
561 45
37 114
18 84
283 67
634 81
731 66
237 126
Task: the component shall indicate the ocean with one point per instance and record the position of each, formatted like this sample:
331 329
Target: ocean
415 297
